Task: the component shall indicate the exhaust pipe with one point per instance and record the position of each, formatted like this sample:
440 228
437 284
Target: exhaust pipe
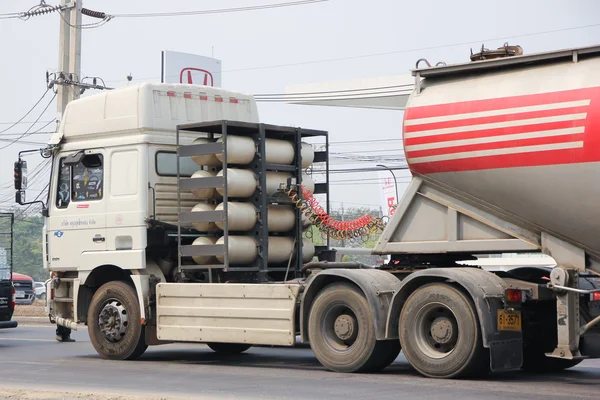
67 323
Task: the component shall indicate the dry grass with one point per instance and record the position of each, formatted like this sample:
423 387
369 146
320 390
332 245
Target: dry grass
34 310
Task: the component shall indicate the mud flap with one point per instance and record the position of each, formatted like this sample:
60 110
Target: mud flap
506 355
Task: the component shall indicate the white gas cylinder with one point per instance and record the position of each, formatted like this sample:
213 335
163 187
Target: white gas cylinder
240 149
209 159
241 249
201 241
240 183
203 194
204 226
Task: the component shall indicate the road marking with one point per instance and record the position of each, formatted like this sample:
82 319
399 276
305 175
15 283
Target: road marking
27 340
29 362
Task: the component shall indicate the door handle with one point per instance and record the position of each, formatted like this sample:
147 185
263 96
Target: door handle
98 239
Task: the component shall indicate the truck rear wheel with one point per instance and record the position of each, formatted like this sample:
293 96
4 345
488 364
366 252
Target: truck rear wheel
114 322
342 333
440 335
229 348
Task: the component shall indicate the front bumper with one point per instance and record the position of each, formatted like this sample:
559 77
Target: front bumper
8 324
28 299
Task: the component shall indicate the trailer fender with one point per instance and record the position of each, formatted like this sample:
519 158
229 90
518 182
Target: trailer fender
378 287
486 289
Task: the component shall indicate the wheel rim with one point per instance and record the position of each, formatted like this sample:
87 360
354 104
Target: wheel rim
113 321
339 327
436 330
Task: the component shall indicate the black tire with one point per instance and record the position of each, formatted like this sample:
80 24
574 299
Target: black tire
386 351
457 351
43 296
131 344
228 348
360 352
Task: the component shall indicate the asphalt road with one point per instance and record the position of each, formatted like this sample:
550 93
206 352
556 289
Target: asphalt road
30 359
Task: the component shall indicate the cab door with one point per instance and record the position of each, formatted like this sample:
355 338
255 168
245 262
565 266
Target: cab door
77 218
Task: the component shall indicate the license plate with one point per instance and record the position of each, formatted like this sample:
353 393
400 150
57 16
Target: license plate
20 295
509 320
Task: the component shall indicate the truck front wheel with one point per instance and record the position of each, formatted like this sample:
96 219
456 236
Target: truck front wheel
440 335
114 322
342 332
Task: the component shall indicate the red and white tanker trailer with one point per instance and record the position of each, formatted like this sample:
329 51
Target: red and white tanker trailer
175 216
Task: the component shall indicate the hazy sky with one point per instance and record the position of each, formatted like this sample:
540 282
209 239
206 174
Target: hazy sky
263 51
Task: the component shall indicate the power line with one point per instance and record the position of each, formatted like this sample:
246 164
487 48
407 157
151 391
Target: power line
98 24
358 182
379 180
410 86
29 134
326 60
377 95
28 112
366 151
43 8
22 122
369 169
24 134
366 141
218 10
23 142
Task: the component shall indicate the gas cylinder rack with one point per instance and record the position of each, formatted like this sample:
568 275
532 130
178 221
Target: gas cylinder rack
215 143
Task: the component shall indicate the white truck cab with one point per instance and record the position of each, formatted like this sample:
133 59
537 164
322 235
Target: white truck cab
114 180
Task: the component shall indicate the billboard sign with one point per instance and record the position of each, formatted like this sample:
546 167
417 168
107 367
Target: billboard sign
387 192
190 68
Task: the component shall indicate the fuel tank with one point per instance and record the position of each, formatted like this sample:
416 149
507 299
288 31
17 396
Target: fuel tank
521 136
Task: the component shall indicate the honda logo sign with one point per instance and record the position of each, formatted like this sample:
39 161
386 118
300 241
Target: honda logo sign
196 76
190 69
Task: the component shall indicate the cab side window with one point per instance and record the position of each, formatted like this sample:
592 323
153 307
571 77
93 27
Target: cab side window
63 195
88 178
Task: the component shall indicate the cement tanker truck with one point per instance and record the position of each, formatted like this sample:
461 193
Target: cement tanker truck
174 215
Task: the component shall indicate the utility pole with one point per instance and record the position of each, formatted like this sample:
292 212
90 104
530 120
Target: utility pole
69 57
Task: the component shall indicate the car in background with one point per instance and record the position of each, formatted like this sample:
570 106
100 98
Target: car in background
7 301
24 291
40 290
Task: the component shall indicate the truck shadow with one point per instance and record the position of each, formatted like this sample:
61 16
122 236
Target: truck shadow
257 357
579 376
303 359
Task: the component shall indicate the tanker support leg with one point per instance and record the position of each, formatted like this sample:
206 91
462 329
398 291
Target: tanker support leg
569 260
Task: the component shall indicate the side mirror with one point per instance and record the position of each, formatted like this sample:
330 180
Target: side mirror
74 159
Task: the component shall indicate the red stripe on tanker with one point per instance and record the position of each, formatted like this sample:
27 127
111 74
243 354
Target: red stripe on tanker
530 130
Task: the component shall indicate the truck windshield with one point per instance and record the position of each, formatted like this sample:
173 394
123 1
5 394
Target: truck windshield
4 272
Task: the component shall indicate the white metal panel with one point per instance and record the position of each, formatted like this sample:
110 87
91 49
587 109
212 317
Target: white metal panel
124 172
125 259
227 313
151 107
429 221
